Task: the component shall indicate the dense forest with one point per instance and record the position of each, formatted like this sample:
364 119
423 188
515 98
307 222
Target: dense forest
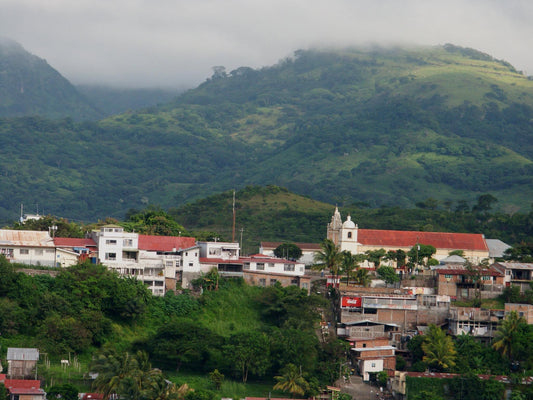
387 127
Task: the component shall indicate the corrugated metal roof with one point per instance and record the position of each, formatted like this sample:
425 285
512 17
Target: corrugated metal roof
25 238
496 247
439 240
516 265
15 353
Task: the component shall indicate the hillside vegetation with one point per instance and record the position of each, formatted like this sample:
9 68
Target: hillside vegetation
381 126
29 86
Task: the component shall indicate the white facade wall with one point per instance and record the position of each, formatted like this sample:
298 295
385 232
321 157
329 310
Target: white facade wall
219 250
368 366
44 256
274 266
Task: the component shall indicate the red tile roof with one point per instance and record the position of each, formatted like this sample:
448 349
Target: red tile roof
440 240
74 242
165 243
21 383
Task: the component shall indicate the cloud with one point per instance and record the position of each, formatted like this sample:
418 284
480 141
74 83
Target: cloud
176 42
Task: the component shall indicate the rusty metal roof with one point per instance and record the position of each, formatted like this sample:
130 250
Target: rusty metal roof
25 238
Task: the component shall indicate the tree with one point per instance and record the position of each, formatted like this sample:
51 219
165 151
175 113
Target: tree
505 336
291 381
249 352
362 277
375 256
398 256
217 378
439 350
522 252
113 369
289 251
420 254
484 203
328 257
349 265
476 272
65 391
388 274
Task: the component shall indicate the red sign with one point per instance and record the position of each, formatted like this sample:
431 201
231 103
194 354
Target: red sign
350 302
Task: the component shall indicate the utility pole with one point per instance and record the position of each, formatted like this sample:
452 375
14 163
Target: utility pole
233 228
242 230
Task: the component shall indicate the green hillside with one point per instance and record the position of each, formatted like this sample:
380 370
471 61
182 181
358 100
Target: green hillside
380 126
29 86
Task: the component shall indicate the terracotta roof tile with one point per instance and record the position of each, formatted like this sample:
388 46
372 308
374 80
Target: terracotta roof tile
440 240
165 243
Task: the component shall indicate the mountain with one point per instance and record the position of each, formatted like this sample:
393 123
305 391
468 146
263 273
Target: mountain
383 126
112 100
29 86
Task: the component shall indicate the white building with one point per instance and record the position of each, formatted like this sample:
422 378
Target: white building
28 247
158 261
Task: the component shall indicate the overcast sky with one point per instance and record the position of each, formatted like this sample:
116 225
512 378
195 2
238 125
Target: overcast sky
143 43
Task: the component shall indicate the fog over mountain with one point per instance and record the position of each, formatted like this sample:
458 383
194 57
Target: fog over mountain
175 44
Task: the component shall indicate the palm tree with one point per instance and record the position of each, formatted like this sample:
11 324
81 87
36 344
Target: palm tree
291 380
439 350
506 333
161 389
362 277
328 257
349 265
113 369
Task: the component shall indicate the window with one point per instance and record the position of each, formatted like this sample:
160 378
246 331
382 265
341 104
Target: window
448 276
270 265
487 278
288 267
24 251
128 242
110 256
349 235
50 251
373 365
169 263
273 282
191 264
246 266
305 286
110 241
294 281
262 282
260 266
38 252
7 252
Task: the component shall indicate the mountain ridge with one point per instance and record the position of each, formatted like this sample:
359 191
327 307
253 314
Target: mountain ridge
385 127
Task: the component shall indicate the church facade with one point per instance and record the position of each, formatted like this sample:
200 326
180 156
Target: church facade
347 236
